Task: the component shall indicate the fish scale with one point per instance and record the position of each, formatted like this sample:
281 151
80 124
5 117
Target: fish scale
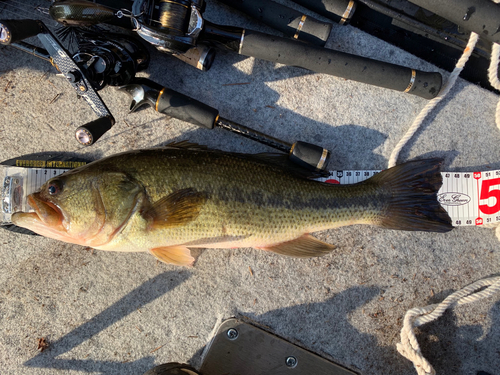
171 199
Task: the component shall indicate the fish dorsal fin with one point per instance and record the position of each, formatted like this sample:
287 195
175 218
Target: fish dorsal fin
275 159
187 145
283 161
178 208
179 255
306 246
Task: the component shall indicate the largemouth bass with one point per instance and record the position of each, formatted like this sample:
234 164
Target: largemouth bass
183 196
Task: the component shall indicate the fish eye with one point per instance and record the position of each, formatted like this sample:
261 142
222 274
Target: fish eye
55 187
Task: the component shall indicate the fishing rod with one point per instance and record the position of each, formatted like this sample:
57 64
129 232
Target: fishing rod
479 16
289 21
99 62
176 26
145 92
423 28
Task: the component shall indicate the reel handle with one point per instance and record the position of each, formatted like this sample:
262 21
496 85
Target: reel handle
340 64
289 21
89 133
12 31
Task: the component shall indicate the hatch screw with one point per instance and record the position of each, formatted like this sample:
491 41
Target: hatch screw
232 334
291 362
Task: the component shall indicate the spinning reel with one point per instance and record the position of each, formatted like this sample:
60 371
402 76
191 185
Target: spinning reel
177 27
172 26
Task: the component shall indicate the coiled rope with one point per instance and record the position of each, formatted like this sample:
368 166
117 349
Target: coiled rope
408 347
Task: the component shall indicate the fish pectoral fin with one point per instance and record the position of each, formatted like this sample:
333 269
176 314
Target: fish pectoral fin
178 208
306 246
178 255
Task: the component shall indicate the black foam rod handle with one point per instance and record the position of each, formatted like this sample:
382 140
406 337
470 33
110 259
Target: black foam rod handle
479 16
312 155
182 107
340 64
289 21
12 31
337 10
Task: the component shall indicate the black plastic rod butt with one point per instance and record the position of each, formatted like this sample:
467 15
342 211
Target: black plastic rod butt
309 155
290 22
339 11
480 16
340 64
16 30
89 133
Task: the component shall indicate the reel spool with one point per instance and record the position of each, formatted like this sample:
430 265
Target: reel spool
173 16
171 25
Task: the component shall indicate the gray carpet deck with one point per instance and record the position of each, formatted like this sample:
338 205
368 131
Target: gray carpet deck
122 313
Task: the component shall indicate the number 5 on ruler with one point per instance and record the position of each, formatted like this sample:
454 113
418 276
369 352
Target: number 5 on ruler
490 189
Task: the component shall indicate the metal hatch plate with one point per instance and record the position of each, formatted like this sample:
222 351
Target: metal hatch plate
239 348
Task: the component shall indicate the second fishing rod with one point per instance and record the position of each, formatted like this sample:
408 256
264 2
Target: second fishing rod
176 26
95 65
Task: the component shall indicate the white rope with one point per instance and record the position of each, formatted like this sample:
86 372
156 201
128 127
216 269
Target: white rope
409 348
493 76
432 103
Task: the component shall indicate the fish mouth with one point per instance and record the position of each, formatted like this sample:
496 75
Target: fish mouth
46 219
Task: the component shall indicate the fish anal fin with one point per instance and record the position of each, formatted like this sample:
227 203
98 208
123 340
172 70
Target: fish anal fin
178 208
178 255
306 246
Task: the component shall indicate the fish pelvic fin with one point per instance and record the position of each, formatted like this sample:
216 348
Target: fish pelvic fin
413 204
306 246
178 208
178 255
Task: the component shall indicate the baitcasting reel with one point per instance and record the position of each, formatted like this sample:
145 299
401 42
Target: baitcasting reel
110 59
99 60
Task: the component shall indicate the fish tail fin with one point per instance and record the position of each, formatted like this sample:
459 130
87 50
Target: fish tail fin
413 204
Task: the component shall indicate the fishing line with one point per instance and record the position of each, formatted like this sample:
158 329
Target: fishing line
12 12
23 8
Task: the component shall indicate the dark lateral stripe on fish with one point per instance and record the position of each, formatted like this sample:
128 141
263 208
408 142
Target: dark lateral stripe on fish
414 205
214 240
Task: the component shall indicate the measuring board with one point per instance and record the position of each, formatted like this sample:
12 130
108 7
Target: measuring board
470 198
20 181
